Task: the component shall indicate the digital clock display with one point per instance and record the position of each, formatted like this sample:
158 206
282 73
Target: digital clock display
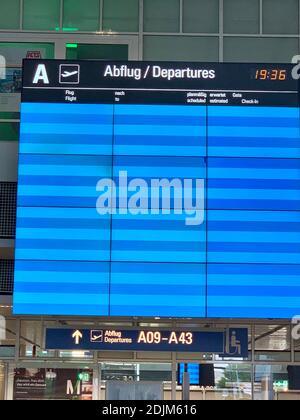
270 74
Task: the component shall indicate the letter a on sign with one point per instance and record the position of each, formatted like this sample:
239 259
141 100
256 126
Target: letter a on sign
41 74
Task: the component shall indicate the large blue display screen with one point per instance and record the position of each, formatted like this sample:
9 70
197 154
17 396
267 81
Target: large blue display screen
223 240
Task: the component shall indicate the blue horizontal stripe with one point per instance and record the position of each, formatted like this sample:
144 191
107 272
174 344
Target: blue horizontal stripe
63 288
245 280
66 308
259 247
39 128
56 277
257 142
263 184
41 201
256 194
28 223
62 254
242 173
158 290
79 200
273 132
158 256
140 130
244 122
103 222
171 110
26 180
149 173
78 234
254 204
254 163
250 111
158 236
245 311
253 270
74 139
256 301
257 216
249 226
158 140
62 266
68 118
57 108
184 120
256 152
61 224
182 280
256 237
162 225
259 291
160 161
66 149
143 300
154 217
101 170
253 257
80 161
128 150
63 244
81 215
58 298
171 269
57 213
57 191
164 245
157 310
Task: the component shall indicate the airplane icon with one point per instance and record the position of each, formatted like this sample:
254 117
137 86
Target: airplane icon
69 74
96 336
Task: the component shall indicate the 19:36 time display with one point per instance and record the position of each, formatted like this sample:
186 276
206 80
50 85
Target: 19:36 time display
271 74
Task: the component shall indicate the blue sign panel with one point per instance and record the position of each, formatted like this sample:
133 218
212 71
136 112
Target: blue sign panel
232 342
157 195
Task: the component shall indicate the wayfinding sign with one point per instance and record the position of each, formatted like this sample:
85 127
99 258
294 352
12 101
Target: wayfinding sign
231 342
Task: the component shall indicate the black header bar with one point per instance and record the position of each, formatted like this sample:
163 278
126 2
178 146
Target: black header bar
92 81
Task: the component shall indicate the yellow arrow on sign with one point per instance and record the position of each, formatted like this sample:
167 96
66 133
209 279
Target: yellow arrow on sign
77 335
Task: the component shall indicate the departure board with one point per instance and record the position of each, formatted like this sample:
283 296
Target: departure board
158 189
